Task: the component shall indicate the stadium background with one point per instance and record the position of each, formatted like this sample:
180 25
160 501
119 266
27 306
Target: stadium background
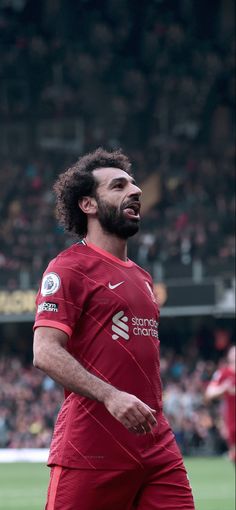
156 78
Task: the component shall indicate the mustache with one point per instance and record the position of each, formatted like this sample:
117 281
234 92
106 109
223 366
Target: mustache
135 201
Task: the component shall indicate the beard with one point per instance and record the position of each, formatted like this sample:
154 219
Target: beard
114 222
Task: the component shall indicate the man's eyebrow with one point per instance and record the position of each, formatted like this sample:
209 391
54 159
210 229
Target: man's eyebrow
118 180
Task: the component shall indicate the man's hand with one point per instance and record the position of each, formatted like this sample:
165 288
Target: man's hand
134 414
218 390
228 387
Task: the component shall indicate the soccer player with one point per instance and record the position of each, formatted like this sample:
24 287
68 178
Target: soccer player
223 386
96 333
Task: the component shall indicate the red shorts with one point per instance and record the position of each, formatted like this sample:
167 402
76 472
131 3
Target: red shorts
155 486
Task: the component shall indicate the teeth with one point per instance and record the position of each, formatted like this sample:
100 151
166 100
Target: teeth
134 208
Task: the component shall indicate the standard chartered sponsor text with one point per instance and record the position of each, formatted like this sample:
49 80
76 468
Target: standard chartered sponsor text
145 327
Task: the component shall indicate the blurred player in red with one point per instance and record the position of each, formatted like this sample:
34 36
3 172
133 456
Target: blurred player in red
223 386
96 333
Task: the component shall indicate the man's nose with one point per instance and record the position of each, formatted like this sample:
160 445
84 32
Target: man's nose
135 190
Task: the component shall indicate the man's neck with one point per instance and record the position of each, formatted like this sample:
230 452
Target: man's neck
111 243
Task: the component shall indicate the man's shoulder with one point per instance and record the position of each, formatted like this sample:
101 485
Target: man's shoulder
142 271
71 257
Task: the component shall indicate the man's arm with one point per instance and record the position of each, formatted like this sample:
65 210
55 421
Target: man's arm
51 356
217 390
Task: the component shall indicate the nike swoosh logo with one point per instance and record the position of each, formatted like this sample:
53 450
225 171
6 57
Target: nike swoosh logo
114 286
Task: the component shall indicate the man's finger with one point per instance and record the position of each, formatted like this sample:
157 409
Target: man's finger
140 429
147 413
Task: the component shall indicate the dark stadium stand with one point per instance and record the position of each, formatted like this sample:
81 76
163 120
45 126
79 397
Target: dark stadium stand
167 99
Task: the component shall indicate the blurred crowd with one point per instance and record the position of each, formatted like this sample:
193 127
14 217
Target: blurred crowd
197 425
30 401
154 80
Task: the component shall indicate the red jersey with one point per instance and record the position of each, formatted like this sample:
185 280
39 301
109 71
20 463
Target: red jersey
220 376
110 314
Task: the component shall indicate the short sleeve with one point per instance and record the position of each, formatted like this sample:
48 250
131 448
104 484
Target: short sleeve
59 301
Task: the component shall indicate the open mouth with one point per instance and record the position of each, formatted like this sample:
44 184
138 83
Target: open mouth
132 210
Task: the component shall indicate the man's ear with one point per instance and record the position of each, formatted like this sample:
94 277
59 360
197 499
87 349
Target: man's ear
88 205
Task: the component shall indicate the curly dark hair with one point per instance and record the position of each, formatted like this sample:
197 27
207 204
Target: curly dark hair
78 181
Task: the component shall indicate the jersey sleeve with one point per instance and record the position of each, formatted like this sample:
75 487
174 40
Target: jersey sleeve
60 299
